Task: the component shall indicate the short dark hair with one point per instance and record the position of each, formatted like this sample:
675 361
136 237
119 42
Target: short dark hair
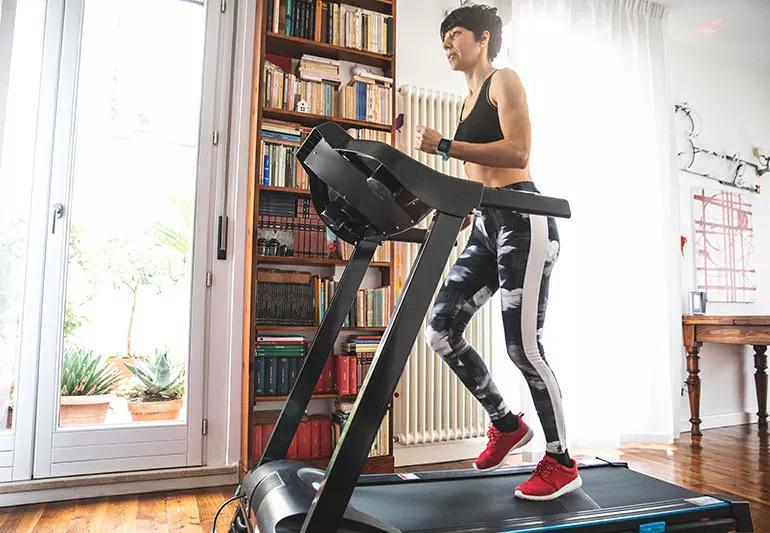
477 18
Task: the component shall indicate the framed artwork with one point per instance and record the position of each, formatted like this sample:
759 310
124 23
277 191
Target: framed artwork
723 247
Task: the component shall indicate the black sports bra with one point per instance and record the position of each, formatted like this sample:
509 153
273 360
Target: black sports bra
482 125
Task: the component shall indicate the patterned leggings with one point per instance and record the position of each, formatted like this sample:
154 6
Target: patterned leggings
515 253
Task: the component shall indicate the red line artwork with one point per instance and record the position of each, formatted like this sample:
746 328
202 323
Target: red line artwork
723 245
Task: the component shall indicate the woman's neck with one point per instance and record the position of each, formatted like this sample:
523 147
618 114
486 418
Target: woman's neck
476 76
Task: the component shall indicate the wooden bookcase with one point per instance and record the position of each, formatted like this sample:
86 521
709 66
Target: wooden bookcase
294 47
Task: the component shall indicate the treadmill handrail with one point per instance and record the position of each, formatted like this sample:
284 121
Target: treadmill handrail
521 201
455 196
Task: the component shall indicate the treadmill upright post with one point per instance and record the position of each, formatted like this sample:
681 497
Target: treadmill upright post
357 437
322 345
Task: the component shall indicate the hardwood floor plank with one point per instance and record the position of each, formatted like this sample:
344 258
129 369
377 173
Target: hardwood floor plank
182 510
121 514
151 513
23 518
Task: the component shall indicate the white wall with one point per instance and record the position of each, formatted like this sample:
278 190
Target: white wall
733 101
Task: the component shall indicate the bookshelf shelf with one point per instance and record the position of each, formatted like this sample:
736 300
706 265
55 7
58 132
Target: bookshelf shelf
296 47
311 119
372 465
269 327
288 190
303 261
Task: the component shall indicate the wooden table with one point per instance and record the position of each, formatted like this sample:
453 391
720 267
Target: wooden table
753 330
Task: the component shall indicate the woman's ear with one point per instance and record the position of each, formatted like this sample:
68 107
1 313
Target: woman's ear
485 38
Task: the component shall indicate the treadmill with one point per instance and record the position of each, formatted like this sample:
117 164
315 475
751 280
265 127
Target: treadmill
368 192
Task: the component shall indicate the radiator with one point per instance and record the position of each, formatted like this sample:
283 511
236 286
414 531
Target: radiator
432 405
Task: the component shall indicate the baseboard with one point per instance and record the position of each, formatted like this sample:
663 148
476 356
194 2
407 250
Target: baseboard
442 452
95 486
720 421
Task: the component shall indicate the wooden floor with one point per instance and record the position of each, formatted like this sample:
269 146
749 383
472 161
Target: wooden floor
733 460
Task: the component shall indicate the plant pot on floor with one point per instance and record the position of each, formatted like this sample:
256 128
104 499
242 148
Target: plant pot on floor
80 410
153 411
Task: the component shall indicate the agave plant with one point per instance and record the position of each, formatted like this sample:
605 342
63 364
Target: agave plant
156 380
86 374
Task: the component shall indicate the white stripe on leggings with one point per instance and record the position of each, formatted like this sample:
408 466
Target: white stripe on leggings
529 310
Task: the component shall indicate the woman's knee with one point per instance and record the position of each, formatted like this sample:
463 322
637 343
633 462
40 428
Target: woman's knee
439 338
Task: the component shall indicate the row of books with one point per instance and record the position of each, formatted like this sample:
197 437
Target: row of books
362 99
302 236
333 23
344 251
317 435
284 204
285 298
342 410
278 149
278 360
371 308
314 438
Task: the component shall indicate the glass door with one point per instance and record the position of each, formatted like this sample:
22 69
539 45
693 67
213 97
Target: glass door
21 47
121 347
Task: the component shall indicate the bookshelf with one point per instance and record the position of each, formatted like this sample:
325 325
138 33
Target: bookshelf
268 44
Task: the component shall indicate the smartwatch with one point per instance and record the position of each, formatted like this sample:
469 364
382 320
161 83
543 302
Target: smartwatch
443 148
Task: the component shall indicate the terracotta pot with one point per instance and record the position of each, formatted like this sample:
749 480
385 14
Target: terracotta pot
149 411
79 410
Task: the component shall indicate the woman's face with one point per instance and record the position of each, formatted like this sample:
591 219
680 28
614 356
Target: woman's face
462 49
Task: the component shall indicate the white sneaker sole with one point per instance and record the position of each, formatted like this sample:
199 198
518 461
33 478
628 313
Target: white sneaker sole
523 442
569 487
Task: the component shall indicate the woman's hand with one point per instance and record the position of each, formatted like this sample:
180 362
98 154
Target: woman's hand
426 140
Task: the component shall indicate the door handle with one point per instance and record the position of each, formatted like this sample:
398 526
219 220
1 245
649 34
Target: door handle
58 212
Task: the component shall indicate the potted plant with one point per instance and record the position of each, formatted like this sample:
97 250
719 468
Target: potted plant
86 381
158 389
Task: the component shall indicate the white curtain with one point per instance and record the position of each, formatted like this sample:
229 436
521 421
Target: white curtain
596 79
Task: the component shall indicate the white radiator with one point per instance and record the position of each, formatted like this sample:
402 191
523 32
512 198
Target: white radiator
432 405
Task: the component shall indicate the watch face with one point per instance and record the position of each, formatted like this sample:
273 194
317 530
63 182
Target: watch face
443 145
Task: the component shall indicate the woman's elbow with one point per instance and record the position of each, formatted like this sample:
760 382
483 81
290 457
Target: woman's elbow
519 158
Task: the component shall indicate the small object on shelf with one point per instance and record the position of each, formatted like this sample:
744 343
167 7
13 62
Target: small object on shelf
302 106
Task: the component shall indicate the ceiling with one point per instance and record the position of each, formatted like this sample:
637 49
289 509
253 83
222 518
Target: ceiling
738 30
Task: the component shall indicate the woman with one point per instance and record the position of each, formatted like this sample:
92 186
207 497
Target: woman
506 250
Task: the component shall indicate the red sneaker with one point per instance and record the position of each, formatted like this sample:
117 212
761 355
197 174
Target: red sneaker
500 444
549 481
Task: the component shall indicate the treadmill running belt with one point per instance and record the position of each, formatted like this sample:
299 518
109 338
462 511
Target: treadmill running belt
440 505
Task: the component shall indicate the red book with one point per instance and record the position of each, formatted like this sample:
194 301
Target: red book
304 447
354 374
267 430
329 374
342 370
326 437
315 438
256 442
291 453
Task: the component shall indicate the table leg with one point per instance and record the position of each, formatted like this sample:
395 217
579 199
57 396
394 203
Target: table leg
760 378
693 388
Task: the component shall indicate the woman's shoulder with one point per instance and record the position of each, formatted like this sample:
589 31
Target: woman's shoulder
504 81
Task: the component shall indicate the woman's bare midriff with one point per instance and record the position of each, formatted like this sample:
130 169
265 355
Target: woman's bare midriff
496 176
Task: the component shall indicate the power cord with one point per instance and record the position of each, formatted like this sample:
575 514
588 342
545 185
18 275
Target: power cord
221 507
